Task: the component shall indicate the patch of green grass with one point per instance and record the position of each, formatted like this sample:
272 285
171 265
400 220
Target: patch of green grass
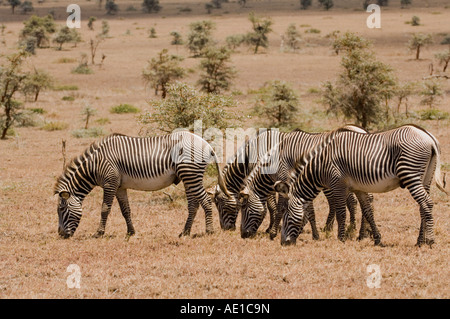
65 88
313 30
90 132
38 110
68 98
124 108
103 121
82 69
55 126
66 60
313 90
434 114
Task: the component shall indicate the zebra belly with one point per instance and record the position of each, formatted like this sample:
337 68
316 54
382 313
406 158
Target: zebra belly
149 184
382 186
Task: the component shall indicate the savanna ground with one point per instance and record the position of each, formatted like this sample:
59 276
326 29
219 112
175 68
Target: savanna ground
156 263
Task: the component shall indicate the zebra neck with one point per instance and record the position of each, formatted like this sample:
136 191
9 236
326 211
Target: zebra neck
80 179
309 182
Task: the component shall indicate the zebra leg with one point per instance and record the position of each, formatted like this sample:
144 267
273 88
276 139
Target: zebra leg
122 198
365 229
281 209
422 197
272 206
109 192
311 217
331 215
367 212
193 205
206 203
351 206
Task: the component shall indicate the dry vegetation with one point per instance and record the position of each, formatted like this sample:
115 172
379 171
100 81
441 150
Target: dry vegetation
155 263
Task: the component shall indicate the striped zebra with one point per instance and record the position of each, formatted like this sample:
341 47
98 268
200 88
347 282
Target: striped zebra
235 174
407 157
118 162
260 184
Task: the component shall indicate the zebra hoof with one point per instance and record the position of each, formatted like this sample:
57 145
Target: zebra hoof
98 234
184 233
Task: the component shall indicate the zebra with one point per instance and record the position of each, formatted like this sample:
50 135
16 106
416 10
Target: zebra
407 157
260 184
235 173
119 162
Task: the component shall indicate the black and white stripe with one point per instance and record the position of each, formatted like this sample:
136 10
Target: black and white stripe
407 156
118 162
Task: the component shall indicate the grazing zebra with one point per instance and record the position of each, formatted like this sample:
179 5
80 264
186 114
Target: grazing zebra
118 162
407 157
235 174
260 185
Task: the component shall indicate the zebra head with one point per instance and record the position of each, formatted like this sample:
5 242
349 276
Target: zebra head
228 207
293 218
69 213
253 211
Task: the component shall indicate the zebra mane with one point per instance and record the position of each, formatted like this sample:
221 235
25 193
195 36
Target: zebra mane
76 161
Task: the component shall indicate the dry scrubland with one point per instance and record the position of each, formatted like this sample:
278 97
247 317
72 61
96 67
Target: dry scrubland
155 263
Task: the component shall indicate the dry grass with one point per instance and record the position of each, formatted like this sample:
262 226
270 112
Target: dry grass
155 263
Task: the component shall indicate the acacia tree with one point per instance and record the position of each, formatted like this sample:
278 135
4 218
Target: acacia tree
14 4
184 105
349 42
362 90
39 28
217 74
292 37
150 6
11 82
36 82
162 70
261 28
419 40
443 58
200 36
278 103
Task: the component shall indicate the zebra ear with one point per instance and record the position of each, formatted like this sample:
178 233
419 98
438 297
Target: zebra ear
65 195
282 188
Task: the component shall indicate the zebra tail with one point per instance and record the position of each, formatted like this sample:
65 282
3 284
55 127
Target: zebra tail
221 181
437 173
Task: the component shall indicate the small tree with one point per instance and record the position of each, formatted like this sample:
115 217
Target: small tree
292 37
26 7
418 41
431 92
36 82
199 36
87 113
14 4
176 38
405 3
349 42
278 103
152 33
305 4
184 105
11 82
326 4
361 90
64 35
402 92
443 58
150 6
234 41
111 7
216 74
415 21
39 28
105 29
91 22
261 28
162 70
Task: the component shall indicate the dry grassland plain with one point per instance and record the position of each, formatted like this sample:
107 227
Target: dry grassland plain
156 263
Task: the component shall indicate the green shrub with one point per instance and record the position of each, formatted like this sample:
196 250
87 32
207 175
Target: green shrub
103 121
312 30
55 126
68 98
65 88
434 114
90 132
82 69
38 110
124 108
